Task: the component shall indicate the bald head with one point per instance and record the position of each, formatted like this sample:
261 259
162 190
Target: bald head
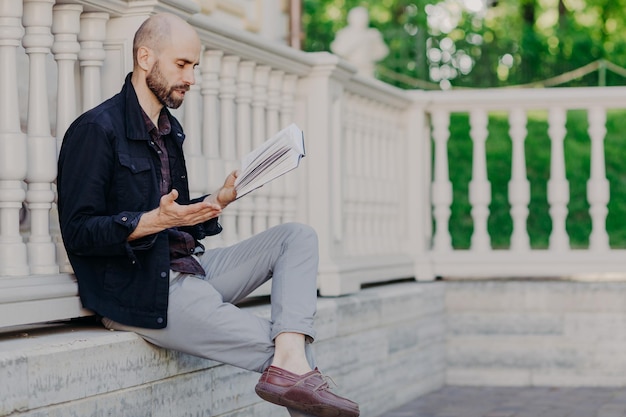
159 32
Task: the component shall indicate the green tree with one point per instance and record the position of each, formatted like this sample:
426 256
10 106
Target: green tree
512 42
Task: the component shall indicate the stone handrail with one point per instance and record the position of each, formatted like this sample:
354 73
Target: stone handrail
368 184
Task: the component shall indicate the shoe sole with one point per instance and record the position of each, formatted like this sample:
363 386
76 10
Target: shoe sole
268 393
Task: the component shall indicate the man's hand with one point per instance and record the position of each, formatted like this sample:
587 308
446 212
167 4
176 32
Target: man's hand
171 214
226 194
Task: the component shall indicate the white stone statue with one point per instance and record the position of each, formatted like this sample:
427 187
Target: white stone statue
358 43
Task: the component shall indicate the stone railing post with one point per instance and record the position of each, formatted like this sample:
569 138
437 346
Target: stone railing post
275 188
519 186
210 70
558 186
598 188
13 153
91 37
65 28
479 186
288 203
259 129
228 140
441 190
322 92
192 122
42 148
418 197
243 101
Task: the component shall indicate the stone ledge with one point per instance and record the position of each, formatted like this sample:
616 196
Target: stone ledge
80 370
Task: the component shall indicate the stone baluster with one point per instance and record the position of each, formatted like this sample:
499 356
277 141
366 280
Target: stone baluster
441 187
368 176
65 28
42 149
290 181
598 193
13 144
244 140
91 37
210 69
361 175
393 185
558 186
350 196
276 187
479 186
519 186
192 117
384 147
259 130
228 140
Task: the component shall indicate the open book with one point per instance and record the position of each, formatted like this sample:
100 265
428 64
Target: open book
275 157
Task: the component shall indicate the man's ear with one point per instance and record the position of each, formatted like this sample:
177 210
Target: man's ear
145 58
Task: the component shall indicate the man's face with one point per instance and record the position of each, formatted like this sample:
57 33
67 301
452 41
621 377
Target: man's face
169 94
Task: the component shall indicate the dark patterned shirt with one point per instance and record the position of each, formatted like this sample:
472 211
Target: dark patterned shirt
182 244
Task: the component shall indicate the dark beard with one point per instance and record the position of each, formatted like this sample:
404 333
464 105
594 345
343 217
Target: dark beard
157 84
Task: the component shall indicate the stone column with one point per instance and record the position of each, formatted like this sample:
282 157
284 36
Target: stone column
13 259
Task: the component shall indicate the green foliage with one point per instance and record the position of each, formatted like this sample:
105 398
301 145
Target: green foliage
514 42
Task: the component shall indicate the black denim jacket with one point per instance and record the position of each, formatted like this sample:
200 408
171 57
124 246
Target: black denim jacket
108 176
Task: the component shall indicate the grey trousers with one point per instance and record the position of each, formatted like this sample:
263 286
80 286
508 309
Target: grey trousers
203 320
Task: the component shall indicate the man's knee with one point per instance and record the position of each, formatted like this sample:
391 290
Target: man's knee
302 232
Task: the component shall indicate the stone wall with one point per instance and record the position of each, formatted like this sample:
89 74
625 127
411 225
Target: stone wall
536 333
382 346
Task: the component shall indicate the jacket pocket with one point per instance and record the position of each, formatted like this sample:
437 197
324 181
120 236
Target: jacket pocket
134 164
135 183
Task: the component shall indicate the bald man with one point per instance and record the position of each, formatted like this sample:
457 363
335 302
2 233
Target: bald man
132 234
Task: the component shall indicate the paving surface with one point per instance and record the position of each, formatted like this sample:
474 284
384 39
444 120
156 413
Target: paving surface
516 402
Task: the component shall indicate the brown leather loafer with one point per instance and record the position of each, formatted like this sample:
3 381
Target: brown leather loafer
309 393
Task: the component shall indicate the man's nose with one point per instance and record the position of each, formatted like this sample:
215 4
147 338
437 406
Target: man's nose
189 76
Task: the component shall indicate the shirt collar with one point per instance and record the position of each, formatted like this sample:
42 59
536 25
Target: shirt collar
164 128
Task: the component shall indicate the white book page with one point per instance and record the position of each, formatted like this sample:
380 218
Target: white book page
275 157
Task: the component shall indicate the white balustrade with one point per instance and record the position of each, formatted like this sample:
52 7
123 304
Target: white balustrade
13 148
366 184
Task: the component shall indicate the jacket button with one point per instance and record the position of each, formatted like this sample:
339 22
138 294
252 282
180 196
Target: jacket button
124 218
163 274
160 320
